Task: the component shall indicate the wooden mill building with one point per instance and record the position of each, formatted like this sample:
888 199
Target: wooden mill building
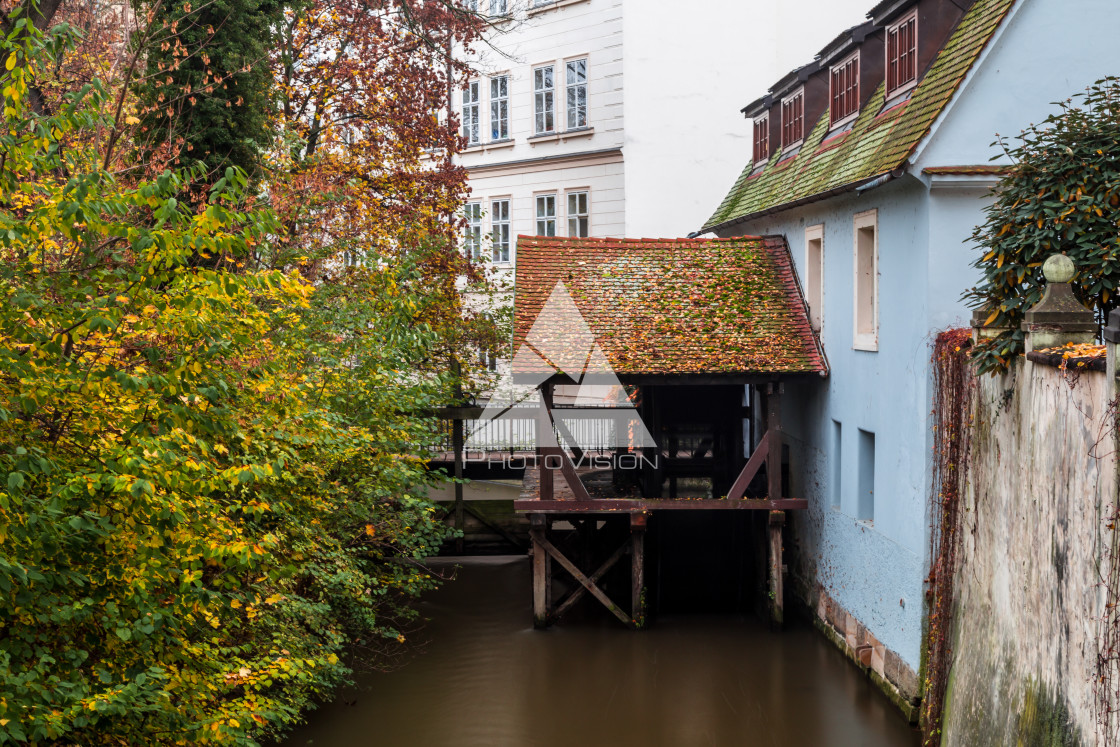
687 344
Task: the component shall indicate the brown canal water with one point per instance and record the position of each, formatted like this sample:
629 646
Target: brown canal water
485 678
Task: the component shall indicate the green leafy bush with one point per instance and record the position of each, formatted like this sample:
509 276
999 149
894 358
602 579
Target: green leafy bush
1062 194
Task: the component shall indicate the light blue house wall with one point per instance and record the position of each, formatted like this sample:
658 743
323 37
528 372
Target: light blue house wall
875 569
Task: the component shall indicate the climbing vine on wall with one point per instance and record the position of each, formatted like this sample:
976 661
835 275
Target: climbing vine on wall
1107 681
954 384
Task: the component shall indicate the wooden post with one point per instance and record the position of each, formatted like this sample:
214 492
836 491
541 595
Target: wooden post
538 527
637 568
774 434
457 445
777 592
544 439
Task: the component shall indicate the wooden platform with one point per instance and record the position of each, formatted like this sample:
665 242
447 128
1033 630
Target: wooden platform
607 501
628 505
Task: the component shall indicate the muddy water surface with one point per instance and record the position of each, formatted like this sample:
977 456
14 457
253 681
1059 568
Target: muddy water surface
485 678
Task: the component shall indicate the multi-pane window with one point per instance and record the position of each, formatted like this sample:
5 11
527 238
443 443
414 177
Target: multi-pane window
499 217
470 113
546 215
902 54
472 235
579 217
793 119
844 90
577 93
499 108
544 105
761 139
499 7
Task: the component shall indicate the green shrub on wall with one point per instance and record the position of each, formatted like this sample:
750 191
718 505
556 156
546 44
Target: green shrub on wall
1062 194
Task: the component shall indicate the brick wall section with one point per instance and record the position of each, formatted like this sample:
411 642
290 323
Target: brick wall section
897 680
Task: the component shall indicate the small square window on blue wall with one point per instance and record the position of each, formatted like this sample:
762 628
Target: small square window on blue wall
865 506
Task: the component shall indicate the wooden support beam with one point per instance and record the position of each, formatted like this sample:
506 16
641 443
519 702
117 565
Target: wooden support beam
578 593
578 575
637 569
568 470
777 592
750 469
567 436
457 444
544 437
629 505
774 439
538 527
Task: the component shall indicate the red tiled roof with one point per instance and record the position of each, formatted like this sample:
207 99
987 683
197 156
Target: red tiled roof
675 306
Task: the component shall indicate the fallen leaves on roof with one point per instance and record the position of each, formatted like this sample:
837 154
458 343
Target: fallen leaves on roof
675 306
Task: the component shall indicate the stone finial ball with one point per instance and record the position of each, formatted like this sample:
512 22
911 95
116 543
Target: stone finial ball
1058 268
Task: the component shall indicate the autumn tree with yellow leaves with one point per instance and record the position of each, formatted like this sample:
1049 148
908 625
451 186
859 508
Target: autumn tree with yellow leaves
211 430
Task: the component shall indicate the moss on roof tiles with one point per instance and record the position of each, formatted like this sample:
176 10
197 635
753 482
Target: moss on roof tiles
877 143
677 306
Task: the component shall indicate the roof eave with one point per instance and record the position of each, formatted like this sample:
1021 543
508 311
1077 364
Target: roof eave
845 42
888 9
758 106
849 187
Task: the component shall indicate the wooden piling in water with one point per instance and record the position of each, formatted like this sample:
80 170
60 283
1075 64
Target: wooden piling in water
777 592
541 581
637 568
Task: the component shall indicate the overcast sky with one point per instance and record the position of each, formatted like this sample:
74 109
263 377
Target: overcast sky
700 68
785 34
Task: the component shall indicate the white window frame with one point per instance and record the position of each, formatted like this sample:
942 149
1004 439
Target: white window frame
859 94
814 276
472 231
760 122
544 101
499 7
472 125
501 231
499 108
540 200
586 215
574 89
912 15
782 113
865 339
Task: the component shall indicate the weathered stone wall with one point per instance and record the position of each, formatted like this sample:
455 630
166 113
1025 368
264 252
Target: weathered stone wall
1029 589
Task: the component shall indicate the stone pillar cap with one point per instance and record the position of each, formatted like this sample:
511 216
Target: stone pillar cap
1058 268
1059 308
1112 329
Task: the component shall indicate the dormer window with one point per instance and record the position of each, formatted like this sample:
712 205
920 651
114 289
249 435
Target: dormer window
843 91
902 54
762 138
793 119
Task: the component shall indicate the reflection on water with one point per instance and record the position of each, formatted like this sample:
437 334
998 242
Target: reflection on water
488 679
